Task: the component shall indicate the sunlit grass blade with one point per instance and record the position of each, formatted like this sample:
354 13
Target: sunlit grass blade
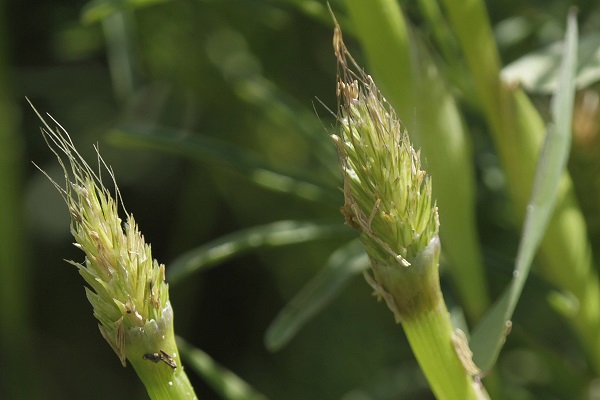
345 263
227 384
490 334
281 233
208 150
538 71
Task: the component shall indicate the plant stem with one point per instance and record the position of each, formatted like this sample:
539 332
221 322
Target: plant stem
153 353
430 336
415 297
163 382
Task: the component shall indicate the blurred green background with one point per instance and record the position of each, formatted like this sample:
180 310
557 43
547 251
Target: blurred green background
251 74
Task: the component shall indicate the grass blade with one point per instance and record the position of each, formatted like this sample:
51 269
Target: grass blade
205 149
282 109
538 71
226 383
490 334
343 265
285 111
276 234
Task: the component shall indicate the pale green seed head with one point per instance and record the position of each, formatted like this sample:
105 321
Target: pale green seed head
387 195
127 287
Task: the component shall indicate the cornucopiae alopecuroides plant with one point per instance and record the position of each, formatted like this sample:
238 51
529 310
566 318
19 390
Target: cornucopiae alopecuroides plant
388 200
127 287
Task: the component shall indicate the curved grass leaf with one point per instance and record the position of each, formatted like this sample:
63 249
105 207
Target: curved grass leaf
252 87
205 149
282 109
276 234
489 336
345 263
226 383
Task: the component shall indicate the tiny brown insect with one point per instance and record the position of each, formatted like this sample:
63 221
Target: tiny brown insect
161 356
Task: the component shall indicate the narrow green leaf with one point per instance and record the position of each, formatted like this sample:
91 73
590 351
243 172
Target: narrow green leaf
344 264
489 336
538 71
279 107
205 149
226 383
276 234
285 111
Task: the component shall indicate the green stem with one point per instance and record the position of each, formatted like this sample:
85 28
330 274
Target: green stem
163 382
153 353
442 35
430 336
413 294
470 22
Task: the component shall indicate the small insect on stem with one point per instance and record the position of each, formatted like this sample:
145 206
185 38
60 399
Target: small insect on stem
162 356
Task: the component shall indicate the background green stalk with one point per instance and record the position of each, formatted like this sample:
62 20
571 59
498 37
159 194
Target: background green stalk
15 296
517 130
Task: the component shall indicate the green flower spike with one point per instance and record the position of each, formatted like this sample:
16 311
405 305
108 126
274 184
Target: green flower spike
127 287
388 199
